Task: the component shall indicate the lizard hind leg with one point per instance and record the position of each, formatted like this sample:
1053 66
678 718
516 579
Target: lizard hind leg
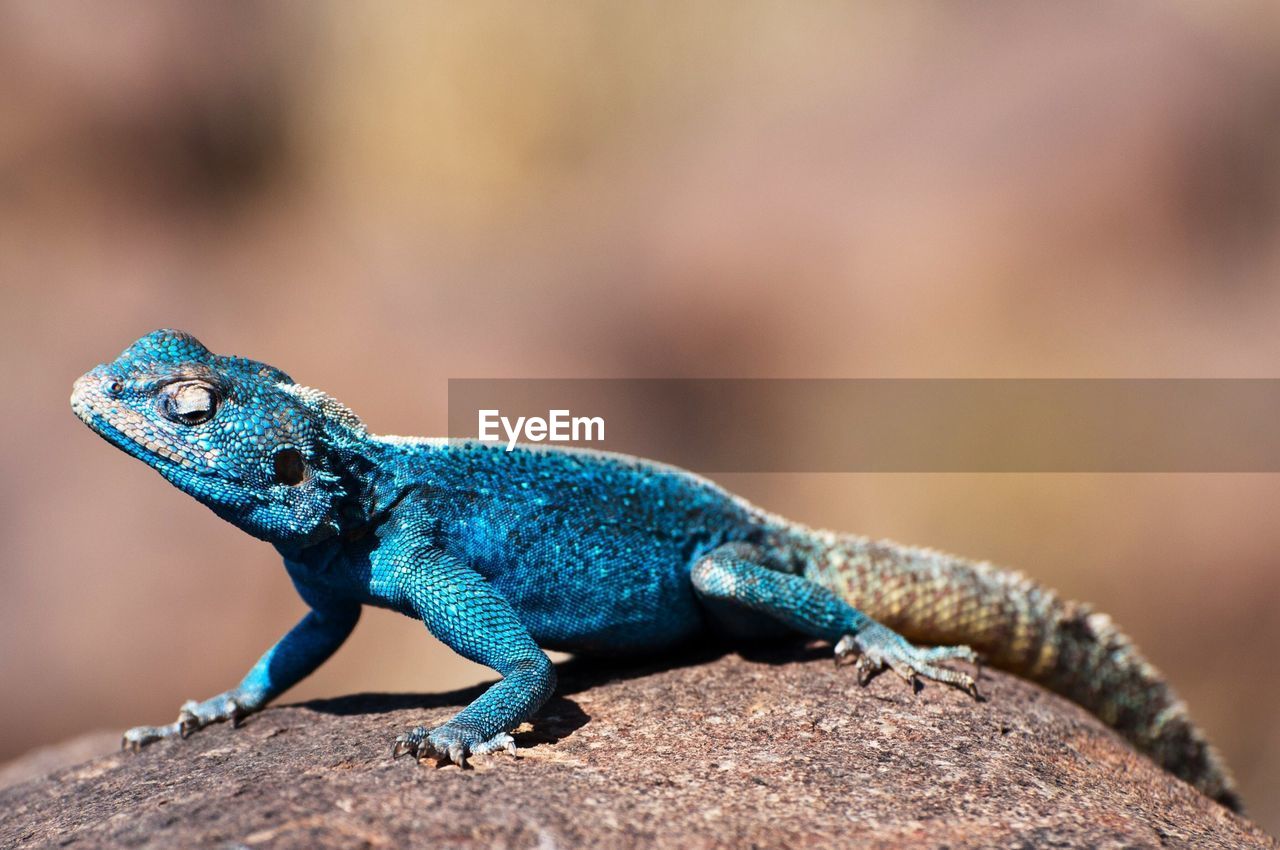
734 577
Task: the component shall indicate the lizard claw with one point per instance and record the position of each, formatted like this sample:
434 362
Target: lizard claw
188 720
866 669
409 743
879 647
236 713
846 648
449 744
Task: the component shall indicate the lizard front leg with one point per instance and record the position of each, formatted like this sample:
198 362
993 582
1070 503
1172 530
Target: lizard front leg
307 645
460 608
735 575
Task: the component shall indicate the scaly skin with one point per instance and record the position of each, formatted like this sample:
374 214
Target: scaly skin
502 554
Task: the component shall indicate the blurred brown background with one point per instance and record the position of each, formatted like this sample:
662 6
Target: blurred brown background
379 198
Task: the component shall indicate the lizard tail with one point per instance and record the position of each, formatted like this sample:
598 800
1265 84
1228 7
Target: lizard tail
1022 627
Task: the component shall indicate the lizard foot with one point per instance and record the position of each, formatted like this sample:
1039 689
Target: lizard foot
192 717
449 744
139 736
878 648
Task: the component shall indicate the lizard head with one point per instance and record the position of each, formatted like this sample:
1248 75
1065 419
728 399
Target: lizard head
240 436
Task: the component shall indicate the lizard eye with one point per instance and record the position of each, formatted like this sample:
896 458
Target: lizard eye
290 467
188 403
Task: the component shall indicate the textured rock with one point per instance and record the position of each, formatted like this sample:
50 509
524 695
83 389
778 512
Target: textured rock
782 750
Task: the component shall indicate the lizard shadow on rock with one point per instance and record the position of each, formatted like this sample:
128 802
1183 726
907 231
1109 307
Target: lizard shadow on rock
561 716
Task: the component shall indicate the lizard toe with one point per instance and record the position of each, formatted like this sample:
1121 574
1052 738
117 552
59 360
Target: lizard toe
140 736
502 742
188 720
955 678
867 668
446 744
948 653
846 648
409 743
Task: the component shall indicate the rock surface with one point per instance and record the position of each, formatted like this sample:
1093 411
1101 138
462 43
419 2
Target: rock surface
780 749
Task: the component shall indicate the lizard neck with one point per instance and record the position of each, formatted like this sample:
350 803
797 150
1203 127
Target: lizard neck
373 480
364 478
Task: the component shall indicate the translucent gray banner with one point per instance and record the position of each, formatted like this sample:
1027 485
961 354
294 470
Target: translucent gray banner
856 425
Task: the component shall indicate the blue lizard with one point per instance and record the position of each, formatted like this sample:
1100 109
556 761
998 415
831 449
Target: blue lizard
504 554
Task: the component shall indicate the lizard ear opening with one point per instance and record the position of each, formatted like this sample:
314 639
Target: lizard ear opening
290 468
